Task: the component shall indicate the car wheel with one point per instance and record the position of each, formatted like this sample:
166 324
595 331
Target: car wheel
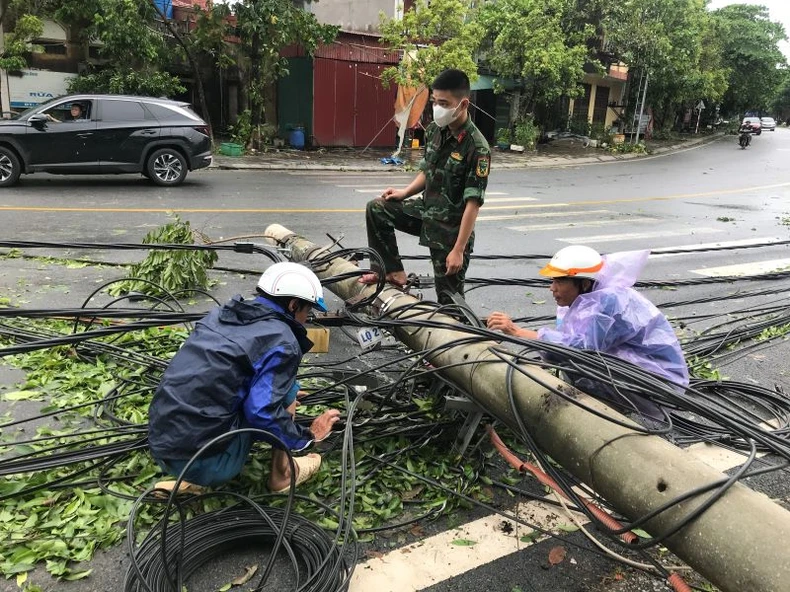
167 167
10 168
759 132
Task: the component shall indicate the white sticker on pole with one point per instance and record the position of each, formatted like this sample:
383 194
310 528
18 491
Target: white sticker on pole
369 336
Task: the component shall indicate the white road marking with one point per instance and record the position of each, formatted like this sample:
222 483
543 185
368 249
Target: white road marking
506 199
514 207
378 187
436 559
589 223
341 175
609 238
657 253
753 268
544 215
496 193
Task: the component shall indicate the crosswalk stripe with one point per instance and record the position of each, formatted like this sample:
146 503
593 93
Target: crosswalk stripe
545 214
589 223
609 238
660 254
436 559
753 268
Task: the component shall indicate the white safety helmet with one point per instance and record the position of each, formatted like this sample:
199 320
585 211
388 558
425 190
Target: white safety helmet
574 261
292 279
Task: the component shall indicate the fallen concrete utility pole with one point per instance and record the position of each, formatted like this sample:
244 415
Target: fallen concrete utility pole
741 543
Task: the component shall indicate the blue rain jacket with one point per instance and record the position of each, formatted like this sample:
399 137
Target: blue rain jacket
615 319
237 369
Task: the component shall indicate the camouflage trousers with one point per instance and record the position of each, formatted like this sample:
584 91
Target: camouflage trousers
382 219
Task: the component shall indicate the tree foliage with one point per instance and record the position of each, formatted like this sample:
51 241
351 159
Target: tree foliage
750 49
209 37
17 42
135 51
125 81
436 36
780 105
674 42
266 27
548 60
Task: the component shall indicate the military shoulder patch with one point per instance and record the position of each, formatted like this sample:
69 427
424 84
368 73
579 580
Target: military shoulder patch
483 166
456 156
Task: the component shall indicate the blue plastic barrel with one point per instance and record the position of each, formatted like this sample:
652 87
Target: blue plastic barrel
296 138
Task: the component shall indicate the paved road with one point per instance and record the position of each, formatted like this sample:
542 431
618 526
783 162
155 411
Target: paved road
715 194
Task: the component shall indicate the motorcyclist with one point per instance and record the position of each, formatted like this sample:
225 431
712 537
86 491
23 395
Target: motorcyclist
745 134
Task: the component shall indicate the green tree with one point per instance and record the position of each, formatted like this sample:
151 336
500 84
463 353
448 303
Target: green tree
436 36
135 51
674 42
750 50
17 42
266 27
528 40
781 103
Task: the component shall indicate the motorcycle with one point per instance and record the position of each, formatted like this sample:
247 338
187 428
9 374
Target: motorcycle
745 136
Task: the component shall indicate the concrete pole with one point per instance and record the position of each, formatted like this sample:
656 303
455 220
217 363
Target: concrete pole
742 543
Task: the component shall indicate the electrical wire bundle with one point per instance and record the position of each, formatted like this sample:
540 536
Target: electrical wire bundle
728 413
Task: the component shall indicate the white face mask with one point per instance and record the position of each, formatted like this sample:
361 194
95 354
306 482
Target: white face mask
443 116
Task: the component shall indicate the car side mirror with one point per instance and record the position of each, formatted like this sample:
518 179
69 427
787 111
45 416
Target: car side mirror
38 118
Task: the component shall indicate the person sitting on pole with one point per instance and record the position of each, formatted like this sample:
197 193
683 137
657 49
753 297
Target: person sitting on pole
237 370
598 309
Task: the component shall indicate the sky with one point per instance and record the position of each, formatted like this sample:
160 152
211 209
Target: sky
779 10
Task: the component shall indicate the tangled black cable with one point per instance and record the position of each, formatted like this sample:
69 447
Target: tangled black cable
728 412
163 563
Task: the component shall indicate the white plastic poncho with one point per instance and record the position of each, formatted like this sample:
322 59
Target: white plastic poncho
615 319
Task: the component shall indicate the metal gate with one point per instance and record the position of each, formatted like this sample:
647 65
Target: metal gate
350 106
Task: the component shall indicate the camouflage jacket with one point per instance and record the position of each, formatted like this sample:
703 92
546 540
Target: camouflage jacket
456 169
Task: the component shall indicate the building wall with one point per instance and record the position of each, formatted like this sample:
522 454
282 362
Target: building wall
612 86
352 15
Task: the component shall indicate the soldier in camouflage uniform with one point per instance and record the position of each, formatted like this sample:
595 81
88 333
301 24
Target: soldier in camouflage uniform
453 177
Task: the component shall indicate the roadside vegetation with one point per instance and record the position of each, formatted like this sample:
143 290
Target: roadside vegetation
690 54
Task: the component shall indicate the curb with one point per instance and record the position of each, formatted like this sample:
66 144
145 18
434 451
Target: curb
528 164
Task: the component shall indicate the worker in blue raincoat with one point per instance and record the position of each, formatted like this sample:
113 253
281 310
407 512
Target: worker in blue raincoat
238 370
598 309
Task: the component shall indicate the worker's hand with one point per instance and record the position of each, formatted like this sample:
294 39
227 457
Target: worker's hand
392 194
322 425
454 261
499 321
292 408
301 394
